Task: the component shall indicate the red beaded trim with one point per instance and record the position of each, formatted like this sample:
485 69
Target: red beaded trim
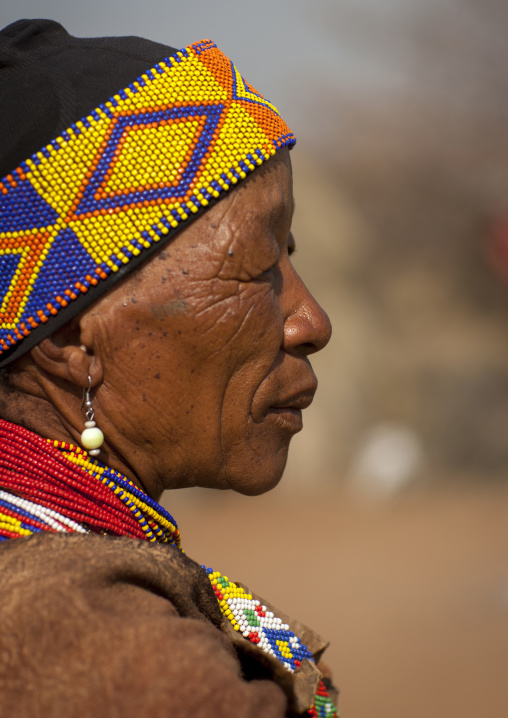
34 470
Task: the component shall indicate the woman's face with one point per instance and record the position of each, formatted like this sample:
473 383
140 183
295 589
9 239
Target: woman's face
205 348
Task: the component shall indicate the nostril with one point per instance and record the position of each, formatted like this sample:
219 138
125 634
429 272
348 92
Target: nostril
309 348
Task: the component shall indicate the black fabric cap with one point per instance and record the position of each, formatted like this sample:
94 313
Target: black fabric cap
49 79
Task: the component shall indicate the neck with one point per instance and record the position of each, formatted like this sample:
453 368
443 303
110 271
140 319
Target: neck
59 418
29 399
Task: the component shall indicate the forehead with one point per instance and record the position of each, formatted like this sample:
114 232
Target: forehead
257 216
263 196
249 221
260 207
268 192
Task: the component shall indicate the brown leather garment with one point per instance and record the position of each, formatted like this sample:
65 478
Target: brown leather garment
108 627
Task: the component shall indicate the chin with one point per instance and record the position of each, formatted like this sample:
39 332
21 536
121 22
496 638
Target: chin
258 475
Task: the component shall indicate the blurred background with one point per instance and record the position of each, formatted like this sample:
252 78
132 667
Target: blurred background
389 531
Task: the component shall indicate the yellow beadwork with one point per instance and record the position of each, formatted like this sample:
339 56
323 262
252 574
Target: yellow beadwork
14 525
116 182
155 525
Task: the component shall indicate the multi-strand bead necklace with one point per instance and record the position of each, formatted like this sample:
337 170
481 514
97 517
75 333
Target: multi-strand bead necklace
57 487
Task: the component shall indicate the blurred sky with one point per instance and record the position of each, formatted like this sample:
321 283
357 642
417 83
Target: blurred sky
291 50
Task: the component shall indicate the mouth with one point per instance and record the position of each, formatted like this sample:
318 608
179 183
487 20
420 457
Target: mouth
286 418
288 412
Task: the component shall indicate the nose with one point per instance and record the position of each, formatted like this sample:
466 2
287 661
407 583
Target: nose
307 328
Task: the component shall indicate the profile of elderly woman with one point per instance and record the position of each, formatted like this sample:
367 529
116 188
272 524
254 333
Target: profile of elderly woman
153 335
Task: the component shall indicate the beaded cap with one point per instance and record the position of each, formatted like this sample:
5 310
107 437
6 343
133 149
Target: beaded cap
95 202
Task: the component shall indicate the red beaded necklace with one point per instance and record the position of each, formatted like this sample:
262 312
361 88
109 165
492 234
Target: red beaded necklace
32 468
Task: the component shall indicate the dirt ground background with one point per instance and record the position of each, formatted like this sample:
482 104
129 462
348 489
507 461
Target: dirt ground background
413 594
389 531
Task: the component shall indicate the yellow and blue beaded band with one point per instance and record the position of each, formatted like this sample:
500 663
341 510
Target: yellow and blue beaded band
94 203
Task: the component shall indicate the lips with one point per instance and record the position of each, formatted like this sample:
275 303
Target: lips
287 412
299 400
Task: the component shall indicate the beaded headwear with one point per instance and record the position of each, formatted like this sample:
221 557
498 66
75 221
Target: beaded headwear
95 202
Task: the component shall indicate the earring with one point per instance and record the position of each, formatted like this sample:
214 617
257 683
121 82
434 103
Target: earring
92 438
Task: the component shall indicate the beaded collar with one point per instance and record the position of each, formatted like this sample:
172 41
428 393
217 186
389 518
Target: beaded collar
57 487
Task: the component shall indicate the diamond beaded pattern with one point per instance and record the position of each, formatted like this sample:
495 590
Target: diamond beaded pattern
119 180
260 626
255 622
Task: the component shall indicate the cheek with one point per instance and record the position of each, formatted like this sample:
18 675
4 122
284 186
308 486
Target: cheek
254 355
255 334
234 334
193 372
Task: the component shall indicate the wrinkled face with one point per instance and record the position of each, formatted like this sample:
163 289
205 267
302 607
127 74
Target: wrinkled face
205 347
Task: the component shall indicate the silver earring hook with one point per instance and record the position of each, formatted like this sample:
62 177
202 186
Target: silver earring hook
87 401
92 437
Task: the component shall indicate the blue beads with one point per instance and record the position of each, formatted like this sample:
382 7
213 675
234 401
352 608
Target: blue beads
92 184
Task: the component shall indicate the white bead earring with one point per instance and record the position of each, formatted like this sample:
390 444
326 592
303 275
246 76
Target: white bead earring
92 438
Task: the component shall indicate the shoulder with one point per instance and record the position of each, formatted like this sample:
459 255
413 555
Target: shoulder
102 626
50 569
51 565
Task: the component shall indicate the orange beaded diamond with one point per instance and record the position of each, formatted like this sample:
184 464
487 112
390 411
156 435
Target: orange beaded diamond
94 203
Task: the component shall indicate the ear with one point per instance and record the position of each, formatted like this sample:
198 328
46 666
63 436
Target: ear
71 363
